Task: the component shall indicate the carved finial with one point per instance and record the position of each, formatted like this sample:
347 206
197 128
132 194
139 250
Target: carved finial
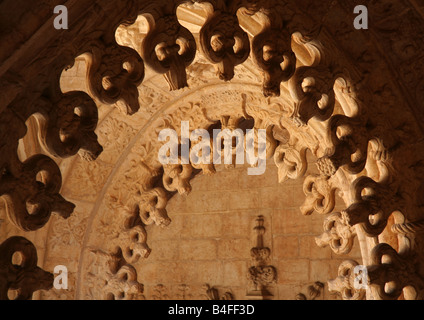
314 291
25 277
261 275
260 230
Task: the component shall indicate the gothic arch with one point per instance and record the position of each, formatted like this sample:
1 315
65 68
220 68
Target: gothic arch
322 98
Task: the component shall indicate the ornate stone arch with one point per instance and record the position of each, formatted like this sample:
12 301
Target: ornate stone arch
322 98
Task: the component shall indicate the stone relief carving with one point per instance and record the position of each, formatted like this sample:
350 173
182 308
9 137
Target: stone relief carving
109 277
69 128
340 239
373 209
114 73
391 272
214 294
340 141
261 275
160 293
186 292
31 193
114 135
123 285
320 195
21 276
87 179
271 48
315 97
291 163
223 41
169 48
314 291
339 235
344 284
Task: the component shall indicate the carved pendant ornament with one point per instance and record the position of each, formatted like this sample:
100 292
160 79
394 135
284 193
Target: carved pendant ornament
20 278
313 98
261 275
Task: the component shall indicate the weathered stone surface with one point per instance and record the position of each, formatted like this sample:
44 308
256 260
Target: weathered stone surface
341 110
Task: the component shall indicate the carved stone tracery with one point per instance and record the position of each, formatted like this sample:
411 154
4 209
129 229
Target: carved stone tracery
261 274
168 47
331 113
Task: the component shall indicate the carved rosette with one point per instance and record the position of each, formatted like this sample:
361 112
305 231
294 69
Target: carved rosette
31 193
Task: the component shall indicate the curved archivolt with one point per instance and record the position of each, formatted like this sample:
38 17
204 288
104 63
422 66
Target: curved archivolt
311 97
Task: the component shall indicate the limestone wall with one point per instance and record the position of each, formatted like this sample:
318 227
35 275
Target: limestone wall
211 235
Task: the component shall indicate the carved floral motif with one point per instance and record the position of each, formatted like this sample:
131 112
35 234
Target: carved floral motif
261 275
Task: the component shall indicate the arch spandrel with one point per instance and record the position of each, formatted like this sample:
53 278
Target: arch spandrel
360 129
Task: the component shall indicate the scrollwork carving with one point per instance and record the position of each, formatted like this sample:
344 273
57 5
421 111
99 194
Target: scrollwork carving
177 177
273 54
261 275
114 73
69 127
312 89
152 207
132 237
344 284
373 204
291 163
320 195
390 272
224 43
110 277
350 145
23 276
123 285
169 48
